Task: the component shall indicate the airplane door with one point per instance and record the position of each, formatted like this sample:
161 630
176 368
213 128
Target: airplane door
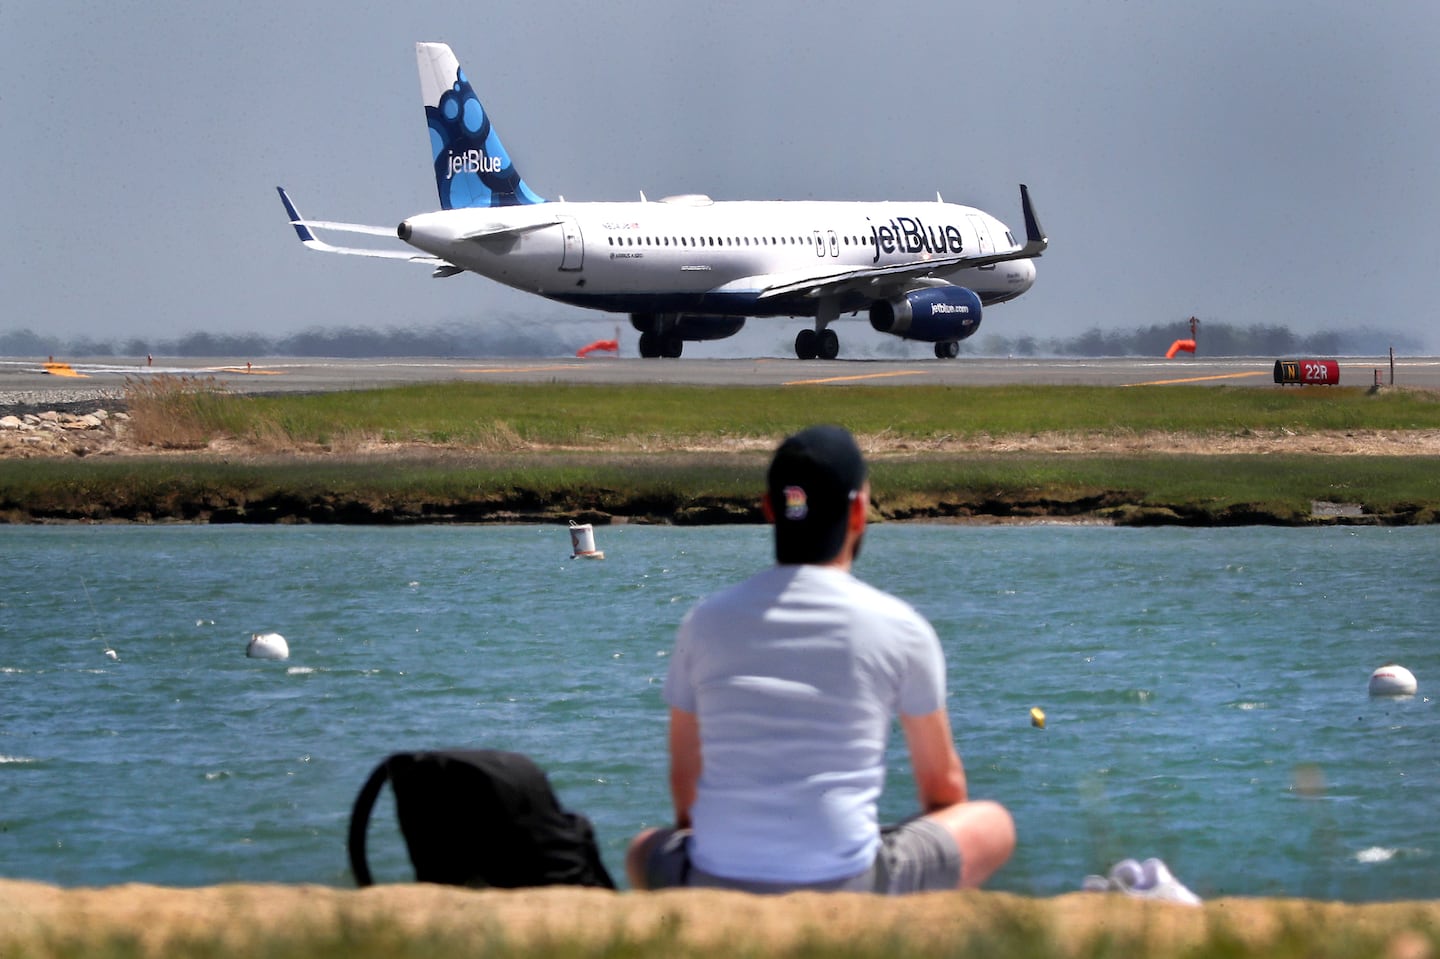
574 256
982 236
834 244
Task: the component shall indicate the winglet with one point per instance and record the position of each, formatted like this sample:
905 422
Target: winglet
312 242
301 230
1035 239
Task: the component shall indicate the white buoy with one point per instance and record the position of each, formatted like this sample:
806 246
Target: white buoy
267 646
1392 680
582 541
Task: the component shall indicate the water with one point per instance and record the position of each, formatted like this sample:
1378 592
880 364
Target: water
1205 691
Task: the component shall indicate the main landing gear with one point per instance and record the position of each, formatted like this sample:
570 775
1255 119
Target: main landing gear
947 350
821 342
813 344
669 344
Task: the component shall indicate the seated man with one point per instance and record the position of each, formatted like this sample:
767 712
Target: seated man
782 691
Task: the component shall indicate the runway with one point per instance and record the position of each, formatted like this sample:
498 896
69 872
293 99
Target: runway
28 381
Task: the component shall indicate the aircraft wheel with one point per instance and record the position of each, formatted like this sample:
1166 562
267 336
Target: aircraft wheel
649 345
805 346
947 350
829 346
672 344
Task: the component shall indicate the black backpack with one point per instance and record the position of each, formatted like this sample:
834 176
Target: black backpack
479 817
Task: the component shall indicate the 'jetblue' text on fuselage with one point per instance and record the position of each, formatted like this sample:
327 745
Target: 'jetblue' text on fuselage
906 234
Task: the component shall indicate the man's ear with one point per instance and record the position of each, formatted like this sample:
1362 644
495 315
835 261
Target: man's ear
767 508
860 509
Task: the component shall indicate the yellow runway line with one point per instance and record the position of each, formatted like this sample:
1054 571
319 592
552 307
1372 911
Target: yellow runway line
851 379
1201 379
63 369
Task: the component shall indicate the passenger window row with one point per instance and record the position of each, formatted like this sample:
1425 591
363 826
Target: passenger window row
710 241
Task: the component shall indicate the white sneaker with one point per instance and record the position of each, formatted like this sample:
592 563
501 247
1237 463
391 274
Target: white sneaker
1150 879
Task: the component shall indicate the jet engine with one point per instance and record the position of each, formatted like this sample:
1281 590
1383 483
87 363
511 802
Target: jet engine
936 314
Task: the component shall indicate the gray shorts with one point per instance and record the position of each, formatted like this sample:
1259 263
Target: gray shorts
914 856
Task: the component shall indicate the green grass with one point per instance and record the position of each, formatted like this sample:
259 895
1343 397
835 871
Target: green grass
551 451
497 416
1200 486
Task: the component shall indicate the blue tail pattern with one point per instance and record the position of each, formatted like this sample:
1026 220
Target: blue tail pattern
472 168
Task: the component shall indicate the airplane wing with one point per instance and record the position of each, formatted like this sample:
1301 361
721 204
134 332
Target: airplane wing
833 282
303 230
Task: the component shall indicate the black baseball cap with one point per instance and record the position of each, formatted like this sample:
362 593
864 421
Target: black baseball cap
813 478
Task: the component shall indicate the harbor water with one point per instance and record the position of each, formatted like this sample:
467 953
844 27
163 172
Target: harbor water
1204 691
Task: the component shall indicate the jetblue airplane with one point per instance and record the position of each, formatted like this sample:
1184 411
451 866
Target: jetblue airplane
688 267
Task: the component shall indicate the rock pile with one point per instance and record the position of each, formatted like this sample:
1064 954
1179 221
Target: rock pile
51 431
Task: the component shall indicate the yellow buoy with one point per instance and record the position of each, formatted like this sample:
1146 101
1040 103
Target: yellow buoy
1037 717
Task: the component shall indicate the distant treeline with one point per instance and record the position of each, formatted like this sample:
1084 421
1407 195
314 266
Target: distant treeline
512 339
480 339
1212 339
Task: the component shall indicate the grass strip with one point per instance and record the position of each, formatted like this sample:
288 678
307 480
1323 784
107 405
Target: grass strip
502 452
490 416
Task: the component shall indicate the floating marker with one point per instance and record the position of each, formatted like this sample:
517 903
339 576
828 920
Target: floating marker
1037 717
267 646
1392 680
582 541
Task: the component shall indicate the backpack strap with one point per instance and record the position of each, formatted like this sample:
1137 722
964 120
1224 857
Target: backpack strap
360 822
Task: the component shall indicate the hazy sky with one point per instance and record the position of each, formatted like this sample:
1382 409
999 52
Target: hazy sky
1246 162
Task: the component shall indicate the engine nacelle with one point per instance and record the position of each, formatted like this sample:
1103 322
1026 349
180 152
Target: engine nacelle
933 314
690 326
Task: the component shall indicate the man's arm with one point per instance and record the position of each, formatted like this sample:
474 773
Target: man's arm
939 776
684 763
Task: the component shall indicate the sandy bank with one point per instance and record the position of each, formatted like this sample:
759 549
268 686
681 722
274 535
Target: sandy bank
38 919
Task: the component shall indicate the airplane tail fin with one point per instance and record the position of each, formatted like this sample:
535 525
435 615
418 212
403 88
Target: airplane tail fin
472 169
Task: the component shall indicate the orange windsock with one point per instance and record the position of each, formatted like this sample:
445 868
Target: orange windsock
612 346
1187 345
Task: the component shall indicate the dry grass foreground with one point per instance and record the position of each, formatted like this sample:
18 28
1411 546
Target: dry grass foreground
42 920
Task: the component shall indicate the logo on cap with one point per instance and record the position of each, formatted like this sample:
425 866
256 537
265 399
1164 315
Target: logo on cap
796 506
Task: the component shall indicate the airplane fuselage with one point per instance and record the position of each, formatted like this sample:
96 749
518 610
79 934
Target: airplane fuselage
688 254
